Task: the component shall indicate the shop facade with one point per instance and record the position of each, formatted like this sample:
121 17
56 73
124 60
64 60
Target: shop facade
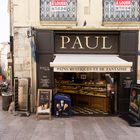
94 68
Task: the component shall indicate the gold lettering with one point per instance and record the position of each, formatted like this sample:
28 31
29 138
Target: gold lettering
78 42
104 43
65 40
87 44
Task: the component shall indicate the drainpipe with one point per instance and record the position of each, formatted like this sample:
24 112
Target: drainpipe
11 37
30 35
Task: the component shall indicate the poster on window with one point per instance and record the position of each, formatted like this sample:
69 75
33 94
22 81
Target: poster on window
58 5
134 106
123 4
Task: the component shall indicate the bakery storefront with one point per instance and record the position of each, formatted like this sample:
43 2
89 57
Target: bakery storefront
94 68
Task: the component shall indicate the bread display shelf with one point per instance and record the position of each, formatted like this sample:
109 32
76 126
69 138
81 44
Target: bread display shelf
92 94
99 90
80 84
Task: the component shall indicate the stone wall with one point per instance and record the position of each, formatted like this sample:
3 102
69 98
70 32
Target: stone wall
22 53
24 64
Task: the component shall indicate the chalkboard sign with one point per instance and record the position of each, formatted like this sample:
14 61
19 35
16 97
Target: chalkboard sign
44 102
44 72
44 76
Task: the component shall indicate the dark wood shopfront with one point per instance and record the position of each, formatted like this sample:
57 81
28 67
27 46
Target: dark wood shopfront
122 43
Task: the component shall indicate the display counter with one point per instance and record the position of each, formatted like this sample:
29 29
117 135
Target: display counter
89 94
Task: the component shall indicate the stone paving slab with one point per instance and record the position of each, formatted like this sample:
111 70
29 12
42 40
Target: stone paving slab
73 128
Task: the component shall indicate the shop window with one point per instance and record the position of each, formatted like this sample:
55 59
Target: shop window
90 93
121 11
58 10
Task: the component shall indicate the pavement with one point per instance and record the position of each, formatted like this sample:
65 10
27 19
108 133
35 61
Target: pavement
73 128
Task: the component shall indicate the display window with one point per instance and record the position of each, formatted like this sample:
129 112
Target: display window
90 93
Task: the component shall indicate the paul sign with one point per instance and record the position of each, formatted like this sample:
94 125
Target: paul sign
86 43
77 43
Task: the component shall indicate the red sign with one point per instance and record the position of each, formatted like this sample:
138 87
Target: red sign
58 2
0 77
122 2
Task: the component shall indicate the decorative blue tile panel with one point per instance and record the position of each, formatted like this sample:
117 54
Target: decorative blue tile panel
121 13
58 10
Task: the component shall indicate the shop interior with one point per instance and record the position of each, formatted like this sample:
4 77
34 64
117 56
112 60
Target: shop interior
90 93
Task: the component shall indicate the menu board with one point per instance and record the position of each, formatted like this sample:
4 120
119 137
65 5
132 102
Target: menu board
44 102
134 106
44 76
44 72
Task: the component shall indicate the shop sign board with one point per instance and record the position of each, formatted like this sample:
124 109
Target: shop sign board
89 43
44 100
93 69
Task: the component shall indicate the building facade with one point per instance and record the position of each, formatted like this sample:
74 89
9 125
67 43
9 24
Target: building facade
44 29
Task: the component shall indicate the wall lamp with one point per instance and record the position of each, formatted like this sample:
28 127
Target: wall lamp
30 32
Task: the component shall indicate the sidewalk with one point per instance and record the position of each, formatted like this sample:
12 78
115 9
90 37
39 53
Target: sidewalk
74 128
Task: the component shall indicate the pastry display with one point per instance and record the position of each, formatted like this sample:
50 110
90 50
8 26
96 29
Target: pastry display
87 88
90 91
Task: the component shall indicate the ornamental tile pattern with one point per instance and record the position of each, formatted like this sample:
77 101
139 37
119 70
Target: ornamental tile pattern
113 13
64 12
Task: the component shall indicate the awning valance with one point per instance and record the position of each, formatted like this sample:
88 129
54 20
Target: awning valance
90 63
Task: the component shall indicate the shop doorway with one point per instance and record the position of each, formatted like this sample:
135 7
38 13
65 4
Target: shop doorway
90 93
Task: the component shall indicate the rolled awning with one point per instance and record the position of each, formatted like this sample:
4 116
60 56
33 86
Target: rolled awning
90 63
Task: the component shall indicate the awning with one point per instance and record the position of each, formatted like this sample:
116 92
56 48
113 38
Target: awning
90 63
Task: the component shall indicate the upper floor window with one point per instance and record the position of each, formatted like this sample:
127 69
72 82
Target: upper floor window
58 10
121 10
